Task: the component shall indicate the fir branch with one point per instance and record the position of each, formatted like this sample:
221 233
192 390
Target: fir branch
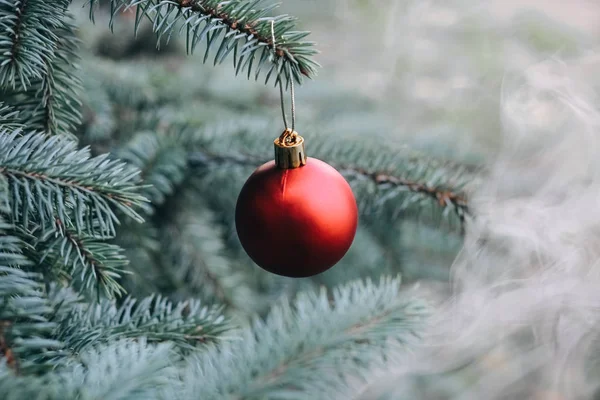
386 181
27 39
89 261
127 85
51 103
25 331
444 197
161 160
50 179
301 343
9 118
142 245
187 324
4 196
98 121
45 387
193 257
126 369
122 370
241 27
143 85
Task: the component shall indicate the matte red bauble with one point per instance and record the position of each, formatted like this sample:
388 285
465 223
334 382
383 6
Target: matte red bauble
296 216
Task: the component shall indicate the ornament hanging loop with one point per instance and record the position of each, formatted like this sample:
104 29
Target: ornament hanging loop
289 137
289 146
281 90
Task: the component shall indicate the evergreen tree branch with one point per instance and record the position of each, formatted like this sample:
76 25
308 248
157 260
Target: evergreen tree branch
387 181
51 179
27 39
393 183
187 324
26 344
122 370
301 344
4 196
126 369
193 258
142 85
446 198
98 116
51 103
9 118
90 262
161 160
260 287
44 387
143 247
241 27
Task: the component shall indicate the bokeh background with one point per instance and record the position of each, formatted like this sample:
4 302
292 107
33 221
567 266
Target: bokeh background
506 89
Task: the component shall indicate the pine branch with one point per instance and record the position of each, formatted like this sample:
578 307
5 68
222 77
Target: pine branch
209 210
161 160
51 179
90 262
123 370
392 182
127 369
27 39
143 247
241 27
51 103
193 257
98 121
9 118
46 387
4 196
308 344
127 85
144 85
25 331
191 253
389 185
446 198
186 325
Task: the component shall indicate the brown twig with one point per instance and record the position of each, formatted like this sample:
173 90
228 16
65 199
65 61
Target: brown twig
63 183
85 254
17 32
249 28
444 197
5 350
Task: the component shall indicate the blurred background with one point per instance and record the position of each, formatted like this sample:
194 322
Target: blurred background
433 70
423 75
436 77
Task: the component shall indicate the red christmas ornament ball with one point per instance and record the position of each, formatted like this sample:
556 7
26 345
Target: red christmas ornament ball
296 222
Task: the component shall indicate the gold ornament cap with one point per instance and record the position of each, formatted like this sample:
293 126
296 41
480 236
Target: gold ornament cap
289 150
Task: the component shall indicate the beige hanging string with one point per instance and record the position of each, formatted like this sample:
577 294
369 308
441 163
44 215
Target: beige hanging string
289 146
